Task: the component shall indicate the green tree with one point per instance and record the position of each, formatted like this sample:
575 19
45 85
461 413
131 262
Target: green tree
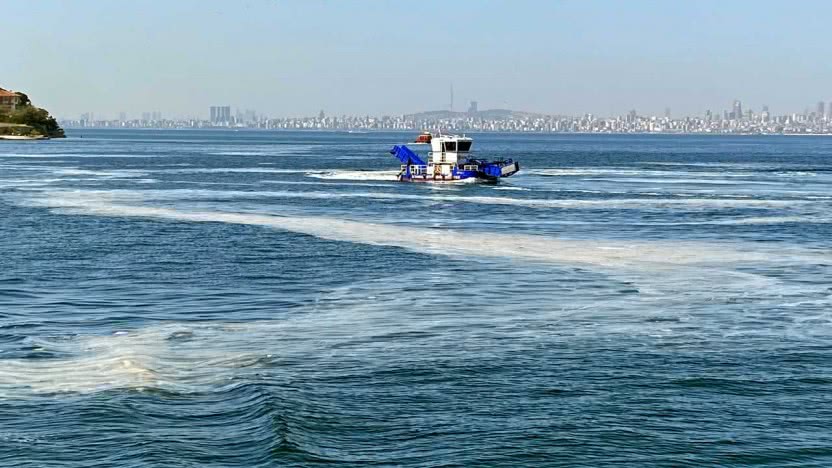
36 118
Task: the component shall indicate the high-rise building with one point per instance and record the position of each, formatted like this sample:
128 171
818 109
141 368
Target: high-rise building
221 115
737 109
122 116
821 112
472 109
146 116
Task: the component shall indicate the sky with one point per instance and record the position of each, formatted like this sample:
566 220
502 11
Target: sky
287 58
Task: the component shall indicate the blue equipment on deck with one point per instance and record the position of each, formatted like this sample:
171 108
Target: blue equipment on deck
407 156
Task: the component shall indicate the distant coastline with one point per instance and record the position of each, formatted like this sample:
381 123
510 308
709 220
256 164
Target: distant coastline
493 120
76 129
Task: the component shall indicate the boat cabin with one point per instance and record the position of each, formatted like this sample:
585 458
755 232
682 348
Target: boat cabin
446 154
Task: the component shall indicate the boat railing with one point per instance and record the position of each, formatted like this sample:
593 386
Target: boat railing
415 169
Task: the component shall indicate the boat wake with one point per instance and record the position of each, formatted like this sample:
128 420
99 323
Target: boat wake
386 176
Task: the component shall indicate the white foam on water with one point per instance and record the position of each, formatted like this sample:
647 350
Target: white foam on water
229 170
265 150
438 194
240 153
113 174
389 176
74 155
192 357
601 253
197 357
319 183
628 171
161 357
668 180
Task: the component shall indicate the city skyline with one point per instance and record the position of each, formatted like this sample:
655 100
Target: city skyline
734 120
230 114
294 58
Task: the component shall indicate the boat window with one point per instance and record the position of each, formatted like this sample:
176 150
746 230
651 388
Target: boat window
450 146
465 145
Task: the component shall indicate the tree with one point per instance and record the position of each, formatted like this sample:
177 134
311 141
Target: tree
24 99
36 118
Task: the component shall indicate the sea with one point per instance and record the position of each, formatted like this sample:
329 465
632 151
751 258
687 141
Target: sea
220 298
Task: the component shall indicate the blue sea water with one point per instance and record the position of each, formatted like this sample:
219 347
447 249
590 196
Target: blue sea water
243 298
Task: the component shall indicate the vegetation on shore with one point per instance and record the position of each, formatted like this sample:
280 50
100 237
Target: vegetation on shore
28 120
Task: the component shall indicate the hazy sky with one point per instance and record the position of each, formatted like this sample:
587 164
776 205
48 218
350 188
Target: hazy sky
293 58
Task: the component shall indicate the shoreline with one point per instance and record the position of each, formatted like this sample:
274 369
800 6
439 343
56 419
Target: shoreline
23 138
368 131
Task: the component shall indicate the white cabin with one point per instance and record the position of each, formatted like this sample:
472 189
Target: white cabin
445 153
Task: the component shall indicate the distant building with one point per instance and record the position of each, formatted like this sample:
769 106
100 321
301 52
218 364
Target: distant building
737 109
9 100
221 115
472 109
821 112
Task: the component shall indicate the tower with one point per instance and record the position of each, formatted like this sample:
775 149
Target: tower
451 107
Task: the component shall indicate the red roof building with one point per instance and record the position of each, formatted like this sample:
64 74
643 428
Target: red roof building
8 100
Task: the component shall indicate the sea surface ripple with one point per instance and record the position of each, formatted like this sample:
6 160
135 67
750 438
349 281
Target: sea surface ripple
250 298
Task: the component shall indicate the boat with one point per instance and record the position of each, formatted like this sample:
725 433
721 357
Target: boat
449 160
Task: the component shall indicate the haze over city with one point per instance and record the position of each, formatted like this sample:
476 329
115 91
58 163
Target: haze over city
292 58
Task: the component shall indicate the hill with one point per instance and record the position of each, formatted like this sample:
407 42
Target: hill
489 114
19 117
